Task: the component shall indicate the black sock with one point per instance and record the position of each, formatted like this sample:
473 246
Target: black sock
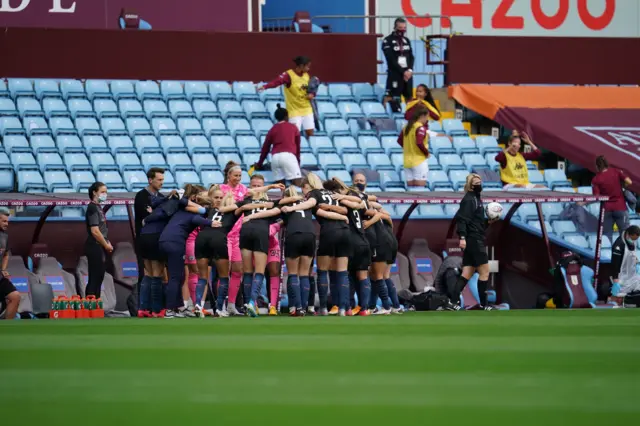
482 292
457 290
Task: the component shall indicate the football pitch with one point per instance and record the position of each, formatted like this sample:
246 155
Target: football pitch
517 368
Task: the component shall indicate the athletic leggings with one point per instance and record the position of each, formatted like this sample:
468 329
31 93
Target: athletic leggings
175 266
95 260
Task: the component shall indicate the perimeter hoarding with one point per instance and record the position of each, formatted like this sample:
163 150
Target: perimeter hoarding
191 15
554 18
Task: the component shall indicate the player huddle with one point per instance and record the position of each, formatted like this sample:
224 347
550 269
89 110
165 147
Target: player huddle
238 231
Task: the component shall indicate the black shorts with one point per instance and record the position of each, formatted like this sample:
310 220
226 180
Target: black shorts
396 86
336 243
394 250
254 240
211 245
300 244
6 288
149 247
382 254
475 254
361 258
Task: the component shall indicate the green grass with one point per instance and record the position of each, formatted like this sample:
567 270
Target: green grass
517 368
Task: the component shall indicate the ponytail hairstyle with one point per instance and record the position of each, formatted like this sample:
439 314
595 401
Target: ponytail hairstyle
203 199
341 184
313 181
231 165
429 97
213 188
468 186
281 114
420 111
601 163
291 191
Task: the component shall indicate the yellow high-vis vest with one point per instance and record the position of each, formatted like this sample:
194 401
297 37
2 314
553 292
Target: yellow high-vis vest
295 95
413 156
516 172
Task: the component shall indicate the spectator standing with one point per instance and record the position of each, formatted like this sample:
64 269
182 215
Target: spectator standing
513 164
97 241
610 181
8 292
399 56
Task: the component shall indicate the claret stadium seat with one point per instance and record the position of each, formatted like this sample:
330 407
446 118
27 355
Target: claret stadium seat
50 272
424 264
107 291
24 281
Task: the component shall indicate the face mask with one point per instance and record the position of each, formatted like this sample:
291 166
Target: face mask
630 242
477 189
102 198
401 32
360 186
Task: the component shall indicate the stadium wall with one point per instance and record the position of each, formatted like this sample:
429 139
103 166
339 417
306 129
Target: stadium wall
543 60
287 8
182 55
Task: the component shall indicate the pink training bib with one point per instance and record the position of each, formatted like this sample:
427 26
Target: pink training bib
239 192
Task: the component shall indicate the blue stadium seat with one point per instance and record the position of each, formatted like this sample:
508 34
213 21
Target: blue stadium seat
49 158
436 126
122 89
231 108
536 177
29 106
251 156
273 94
327 110
30 180
204 108
7 107
130 108
138 126
261 126
12 142
110 176
212 125
390 144
180 108
224 156
464 145
196 90
390 177
87 125
336 126
441 145
318 142
4 92
172 90
584 190
68 142
184 177
203 159
323 93
450 210
562 227
245 90
341 174
354 160
105 108
210 177
474 162
219 142
307 160
144 142
155 108
10 125
247 142
346 143
487 145
363 92
194 142
72 89
453 127
556 178
379 160
349 110
55 178
113 126
39 142
47 89
535 224
492 163
19 87
397 160
92 142
178 159
551 211
458 178
369 143
153 157
373 109
577 240
451 162
147 89
137 177
127 158
433 163
437 178
340 92
81 179
75 159
429 211
96 89
236 125
330 160
168 142
80 108
36 125
101 159
272 105
593 238
527 212
255 109
220 90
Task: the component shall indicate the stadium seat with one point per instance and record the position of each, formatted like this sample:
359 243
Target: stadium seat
424 264
22 158
474 162
585 190
52 107
320 142
441 145
307 160
48 158
220 90
68 142
577 240
433 163
555 178
101 159
47 89
354 161
204 108
255 109
184 177
7 107
327 110
390 144
487 145
203 159
135 177
490 158
113 126
105 108
213 125
261 126
19 87
38 142
12 142
75 159
80 108
219 142
178 159
453 127
373 109
72 89
153 157
341 174
551 211
92 142
458 178
335 127
526 212
379 160
346 144
464 145
155 108
29 177
196 90
593 238
131 108
144 142
119 143
193 142
247 142
231 108
107 290
97 89
180 108
238 125
138 126
437 178
451 162
340 92
429 211
323 93
350 110
210 177
562 227
28 106
147 89
127 158
171 90
363 92
330 160
224 156
81 178
122 89
35 125
369 143
109 176
244 90
168 142
56 178
25 282
536 225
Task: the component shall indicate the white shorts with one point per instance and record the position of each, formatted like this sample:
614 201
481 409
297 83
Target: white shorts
418 172
284 165
305 122
514 186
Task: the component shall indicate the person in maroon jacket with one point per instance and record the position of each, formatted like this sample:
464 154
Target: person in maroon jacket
610 181
283 140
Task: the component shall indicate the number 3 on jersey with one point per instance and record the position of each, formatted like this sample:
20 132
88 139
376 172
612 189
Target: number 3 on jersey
356 217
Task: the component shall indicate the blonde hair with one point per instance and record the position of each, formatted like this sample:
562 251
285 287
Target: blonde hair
260 196
291 191
213 188
340 183
313 181
470 178
228 199
203 199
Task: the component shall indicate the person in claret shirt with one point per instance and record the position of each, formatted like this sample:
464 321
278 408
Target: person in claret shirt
610 181
296 94
414 140
513 164
283 140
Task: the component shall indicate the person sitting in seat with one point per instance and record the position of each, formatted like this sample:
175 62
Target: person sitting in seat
623 263
513 164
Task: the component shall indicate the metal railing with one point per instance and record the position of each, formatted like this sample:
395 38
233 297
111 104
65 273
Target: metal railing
430 63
